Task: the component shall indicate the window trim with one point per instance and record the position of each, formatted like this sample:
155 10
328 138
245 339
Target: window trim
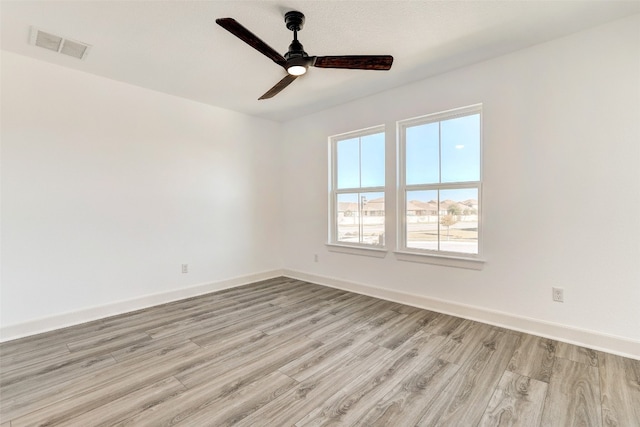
439 257
333 243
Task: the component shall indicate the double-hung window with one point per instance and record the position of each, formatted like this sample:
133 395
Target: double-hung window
357 188
440 183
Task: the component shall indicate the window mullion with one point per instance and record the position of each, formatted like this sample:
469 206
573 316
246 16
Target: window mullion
363 190
439 152
360 215
448 186
438 221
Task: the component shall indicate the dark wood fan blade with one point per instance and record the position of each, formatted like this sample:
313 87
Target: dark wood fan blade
286 81
355 62
251 39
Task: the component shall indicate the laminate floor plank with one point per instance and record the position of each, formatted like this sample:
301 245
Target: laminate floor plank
308 298
577 354
42 341
404 404
107 414
232 322
464 400
43 365
317 389
573 398
238 405
347 296
356 310
19 360
517 401
444 325
282 293
35 363
234 339
212 321
289 318
469 338
534 357
17 386
352 401
89 390
351 306
204 391
408 309
139 349
108 343
619 390
303 327
282 352
269 360
358 317
392 338
318 360
371 328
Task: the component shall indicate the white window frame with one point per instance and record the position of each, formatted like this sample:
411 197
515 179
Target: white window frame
456 259
333 243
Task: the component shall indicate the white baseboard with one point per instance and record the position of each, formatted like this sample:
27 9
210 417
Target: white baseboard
11 332
582 337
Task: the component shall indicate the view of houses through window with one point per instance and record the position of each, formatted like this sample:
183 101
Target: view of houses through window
445 220
361 218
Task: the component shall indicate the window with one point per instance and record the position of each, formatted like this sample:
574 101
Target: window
357 188
440 183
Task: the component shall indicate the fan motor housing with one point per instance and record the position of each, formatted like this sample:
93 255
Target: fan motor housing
295 50
294 20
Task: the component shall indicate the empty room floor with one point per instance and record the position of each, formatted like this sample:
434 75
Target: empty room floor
283 352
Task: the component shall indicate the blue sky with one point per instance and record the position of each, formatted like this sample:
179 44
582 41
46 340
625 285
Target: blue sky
456 140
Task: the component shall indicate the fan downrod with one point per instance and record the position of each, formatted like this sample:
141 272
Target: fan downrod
294 20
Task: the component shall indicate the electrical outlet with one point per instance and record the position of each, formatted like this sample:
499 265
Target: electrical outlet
558 294
185 268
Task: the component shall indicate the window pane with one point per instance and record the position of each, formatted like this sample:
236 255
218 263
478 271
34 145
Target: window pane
422 219
348 153
372 160
372 208
422 154
459 220
460 147
348 219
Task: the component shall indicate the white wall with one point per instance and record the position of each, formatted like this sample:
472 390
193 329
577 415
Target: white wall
108 188
561 187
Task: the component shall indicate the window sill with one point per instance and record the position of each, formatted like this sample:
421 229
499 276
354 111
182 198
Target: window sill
444 260
376 252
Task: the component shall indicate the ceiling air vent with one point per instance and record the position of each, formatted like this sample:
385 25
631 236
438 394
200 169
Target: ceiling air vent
59 44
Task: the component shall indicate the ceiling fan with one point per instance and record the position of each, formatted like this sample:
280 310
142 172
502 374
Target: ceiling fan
296 61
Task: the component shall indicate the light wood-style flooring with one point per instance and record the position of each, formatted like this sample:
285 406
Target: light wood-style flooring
288 353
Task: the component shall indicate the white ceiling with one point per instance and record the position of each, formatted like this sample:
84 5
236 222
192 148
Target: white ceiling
176 47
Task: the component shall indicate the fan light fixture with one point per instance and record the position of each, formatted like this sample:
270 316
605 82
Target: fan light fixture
297 70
